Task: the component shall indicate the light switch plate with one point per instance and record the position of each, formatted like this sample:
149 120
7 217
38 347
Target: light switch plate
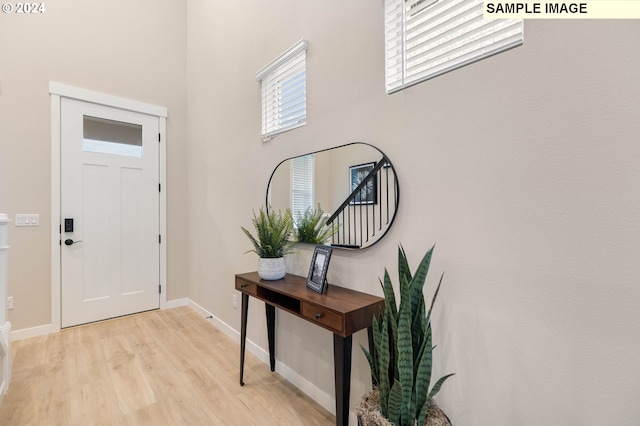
27 220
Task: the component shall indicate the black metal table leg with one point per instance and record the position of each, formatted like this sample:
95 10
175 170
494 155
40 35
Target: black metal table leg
243 334
271 326
342 369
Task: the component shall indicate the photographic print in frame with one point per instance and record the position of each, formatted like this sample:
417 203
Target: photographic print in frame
369 193
317 278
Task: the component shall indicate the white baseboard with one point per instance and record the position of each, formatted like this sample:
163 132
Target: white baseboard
223 326
325 400
42 330
176 303
27 333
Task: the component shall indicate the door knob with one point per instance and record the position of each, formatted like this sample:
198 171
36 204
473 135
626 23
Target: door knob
69 241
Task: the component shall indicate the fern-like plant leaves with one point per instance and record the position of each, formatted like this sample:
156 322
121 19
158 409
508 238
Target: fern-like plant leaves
256 244
273 230
311 227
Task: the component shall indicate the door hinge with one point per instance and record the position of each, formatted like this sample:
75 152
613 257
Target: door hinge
159 288
60 229
159 187
160 239
158 137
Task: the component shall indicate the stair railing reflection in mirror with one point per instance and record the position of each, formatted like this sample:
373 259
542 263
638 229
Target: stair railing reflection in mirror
364 215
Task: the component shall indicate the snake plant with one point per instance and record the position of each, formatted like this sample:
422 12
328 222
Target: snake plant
402 361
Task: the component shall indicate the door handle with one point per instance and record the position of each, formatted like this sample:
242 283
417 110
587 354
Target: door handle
69 241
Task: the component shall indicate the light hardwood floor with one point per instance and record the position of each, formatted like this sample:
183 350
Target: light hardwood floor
168 367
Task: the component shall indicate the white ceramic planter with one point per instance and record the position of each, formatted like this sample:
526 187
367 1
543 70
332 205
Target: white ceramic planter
272 268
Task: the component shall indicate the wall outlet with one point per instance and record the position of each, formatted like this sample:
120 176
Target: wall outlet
10 302
235 301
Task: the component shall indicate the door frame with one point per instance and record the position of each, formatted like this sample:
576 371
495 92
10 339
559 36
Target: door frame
57 92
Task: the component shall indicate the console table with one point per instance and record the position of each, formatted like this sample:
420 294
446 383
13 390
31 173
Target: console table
339 310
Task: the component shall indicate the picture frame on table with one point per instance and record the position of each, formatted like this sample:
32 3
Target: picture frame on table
317 278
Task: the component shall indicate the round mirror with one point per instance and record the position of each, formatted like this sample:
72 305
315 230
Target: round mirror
354 186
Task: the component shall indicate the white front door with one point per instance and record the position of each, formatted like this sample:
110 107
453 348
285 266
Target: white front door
110 248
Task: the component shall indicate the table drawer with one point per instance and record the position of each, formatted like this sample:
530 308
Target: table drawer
322 316
246 287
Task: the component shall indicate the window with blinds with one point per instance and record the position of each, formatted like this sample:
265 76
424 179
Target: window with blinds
426 38
301 184
284 91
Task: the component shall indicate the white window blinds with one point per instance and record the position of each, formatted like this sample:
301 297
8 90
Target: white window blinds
301 184
426 38
284 91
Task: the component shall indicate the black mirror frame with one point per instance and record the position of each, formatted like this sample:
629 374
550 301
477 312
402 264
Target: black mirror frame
390 165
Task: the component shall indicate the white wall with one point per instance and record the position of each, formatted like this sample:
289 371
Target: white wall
134 50
522 168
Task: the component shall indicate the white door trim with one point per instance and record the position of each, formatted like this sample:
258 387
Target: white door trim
85 95
58 91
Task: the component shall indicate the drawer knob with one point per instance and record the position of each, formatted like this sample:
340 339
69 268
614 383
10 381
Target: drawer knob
318 316
243 285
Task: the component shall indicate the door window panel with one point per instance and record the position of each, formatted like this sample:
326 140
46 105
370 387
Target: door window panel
111 137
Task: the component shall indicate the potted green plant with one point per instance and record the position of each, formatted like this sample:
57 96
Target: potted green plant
271 243
402 360
311 227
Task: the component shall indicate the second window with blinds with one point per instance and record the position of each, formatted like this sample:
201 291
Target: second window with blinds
302 177
427 38
284 91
